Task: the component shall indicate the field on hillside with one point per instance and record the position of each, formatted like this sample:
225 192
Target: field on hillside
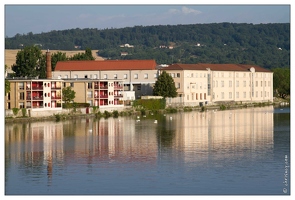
10 55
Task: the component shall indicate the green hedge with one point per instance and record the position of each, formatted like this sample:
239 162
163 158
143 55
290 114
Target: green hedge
75 105
150 104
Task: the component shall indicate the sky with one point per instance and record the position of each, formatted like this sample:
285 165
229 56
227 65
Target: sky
24 18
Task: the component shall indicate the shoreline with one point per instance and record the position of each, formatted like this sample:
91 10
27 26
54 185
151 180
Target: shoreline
137 111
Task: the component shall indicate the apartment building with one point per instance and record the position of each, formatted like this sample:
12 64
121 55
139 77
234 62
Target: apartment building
137 75
37 94
102 93
209 83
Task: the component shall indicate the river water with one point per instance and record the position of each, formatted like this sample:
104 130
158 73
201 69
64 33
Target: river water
231 152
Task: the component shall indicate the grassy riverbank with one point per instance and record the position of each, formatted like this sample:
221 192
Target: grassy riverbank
138 110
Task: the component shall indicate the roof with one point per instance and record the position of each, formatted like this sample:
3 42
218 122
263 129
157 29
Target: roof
96 65
215 67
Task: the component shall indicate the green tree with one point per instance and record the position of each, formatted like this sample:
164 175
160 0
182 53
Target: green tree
7 84
68 94
281 82
165 86
30 62
58 56
83 56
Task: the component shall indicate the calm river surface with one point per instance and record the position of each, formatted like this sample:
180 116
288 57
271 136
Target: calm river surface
245 151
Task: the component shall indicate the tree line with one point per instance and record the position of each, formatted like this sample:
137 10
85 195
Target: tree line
266 45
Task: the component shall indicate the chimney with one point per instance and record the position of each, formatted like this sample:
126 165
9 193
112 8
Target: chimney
48 65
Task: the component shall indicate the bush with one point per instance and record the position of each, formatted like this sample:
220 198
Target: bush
171 110
115 113
202 109
222 107
24 112
107 114
150 104
15 111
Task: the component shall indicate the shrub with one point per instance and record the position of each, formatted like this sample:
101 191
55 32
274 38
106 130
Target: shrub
107 114
115 113
15 111
222 107
202 109
24 112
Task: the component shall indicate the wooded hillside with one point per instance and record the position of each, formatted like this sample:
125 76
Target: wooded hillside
266 45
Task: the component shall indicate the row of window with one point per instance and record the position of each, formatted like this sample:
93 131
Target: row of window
220 74
215 84
230 95
107 76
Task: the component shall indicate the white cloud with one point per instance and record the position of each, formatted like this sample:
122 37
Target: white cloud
184 10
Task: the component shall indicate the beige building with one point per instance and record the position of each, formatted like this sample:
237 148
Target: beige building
199 84
138 75
37 94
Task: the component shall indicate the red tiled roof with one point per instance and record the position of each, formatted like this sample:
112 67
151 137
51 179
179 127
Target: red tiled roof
215 67
106 65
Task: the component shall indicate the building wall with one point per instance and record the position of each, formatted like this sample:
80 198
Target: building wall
206 86
24 93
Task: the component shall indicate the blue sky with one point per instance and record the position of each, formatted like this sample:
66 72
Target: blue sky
44 18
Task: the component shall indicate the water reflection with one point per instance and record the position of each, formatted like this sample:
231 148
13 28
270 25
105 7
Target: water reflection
194 138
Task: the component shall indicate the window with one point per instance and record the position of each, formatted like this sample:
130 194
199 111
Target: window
244 94
146 76
85 76
192 96
135 76
21 86
205 96
172 75
237 94
256 84
94 76
155 75
115 76
105 76
72 84
222 95
75 76
178 75
196 75
89 94
177 85
66 76
244 83
200 96
230 95
237 84
222 83
192 75
21 105
89 85
21 95
196 96
230 83
256 94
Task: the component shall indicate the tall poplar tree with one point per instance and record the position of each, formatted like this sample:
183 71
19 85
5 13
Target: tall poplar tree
165 86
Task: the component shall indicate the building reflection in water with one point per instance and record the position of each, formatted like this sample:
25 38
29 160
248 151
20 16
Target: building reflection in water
223 134
198 136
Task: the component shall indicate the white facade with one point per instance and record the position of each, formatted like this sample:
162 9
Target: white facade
206 86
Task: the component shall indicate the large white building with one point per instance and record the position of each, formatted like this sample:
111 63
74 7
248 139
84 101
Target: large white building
212 83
